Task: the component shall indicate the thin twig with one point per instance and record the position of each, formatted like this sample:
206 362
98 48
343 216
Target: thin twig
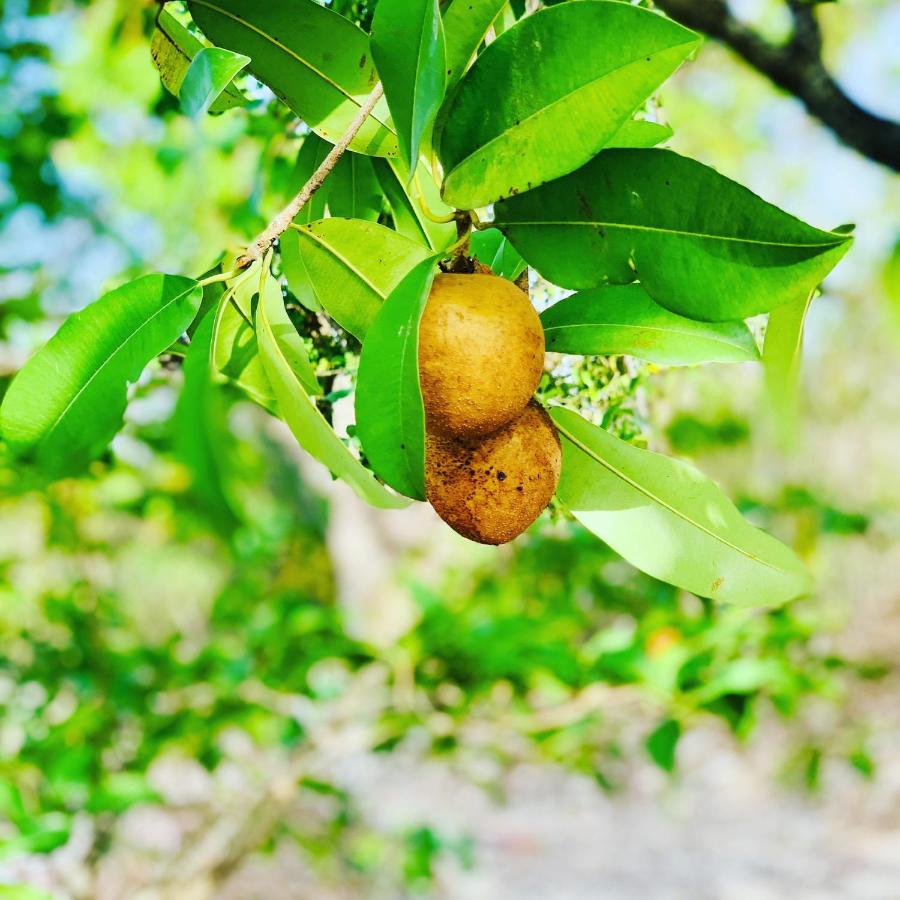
283 220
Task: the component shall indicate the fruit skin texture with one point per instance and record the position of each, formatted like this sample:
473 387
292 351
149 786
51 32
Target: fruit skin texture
481 354
491 489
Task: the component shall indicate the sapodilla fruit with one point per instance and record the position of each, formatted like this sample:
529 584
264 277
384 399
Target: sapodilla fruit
490 489
481 354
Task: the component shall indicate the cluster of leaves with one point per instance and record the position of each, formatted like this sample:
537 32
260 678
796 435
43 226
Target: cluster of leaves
536 126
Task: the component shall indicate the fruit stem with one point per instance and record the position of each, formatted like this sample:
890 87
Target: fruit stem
214 279
461 244
428 213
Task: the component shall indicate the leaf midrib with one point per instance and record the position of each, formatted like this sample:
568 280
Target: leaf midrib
342 259
108 360
584 223
291 53
518 125
652 497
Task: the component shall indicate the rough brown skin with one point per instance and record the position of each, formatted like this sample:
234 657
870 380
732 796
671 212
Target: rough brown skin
481 354
491 489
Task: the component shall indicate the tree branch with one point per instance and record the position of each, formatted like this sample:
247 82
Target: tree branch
283 220
797 68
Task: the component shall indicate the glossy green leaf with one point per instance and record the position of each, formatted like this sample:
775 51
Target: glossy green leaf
235 352
354 191
548 94
491 248
408 48
701 244
295 272
66 404
173 47
354 265
406 201
201 437
625 319
390 416
466 24
638 133
782 354
312 431
212 294
315 60
669 520
290 342
209 74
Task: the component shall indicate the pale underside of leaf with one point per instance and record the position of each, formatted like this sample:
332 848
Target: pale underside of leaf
625 319
773 582
309 426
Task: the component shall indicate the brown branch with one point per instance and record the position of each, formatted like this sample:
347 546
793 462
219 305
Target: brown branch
797 68
283 220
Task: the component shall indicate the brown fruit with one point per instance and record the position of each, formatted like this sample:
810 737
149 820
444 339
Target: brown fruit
481 354
491 489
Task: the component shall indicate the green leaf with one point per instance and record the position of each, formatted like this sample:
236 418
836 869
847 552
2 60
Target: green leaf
212 294
315 60
701 244
638 133
667 519
466 24
491 248
354 265
354 191
307 424
408 48
201 428
549 93
390 416
782 353
295 272
173 47
662 742
625 319
406 202
210 73
289 341
235 352
66 404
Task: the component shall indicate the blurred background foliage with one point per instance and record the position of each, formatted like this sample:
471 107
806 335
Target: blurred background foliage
198 635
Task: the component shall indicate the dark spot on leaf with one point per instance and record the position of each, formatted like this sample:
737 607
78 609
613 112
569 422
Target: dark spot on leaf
520 488
584 205
501 476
